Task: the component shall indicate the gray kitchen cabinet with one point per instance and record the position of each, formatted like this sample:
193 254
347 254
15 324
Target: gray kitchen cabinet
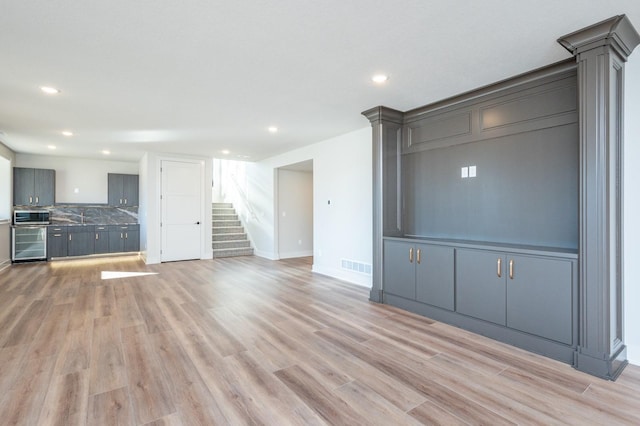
527 293
56 242
33 187
421 272
124 238
122 190
101 242
80 240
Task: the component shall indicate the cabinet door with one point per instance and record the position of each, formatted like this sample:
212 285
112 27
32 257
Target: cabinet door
81 242
480 285
114 189
539 297
399 269
116 241
101 242
130 190
434 275
44 187
57 243
132 240
22 186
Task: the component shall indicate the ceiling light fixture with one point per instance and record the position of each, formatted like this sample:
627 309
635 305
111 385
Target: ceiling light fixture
106 152
272 129
50 90
225 151
67 133
380 78
51 146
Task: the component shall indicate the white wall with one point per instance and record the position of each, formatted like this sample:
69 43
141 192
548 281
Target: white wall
632 208
342 229
88 176
150 208
7 157
295 213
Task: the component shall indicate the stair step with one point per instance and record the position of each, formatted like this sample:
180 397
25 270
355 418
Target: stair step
227 230
222 205
230 236
223 211
220 223
218 245
224 216
232 252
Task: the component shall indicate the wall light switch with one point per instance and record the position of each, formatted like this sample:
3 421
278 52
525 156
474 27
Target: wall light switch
472 171
464 172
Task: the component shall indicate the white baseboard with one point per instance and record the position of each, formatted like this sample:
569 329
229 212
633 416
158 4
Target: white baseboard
341 274
266 254
633 354
292 254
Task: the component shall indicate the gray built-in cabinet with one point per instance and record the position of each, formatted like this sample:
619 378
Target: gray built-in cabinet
84 240
33 187
122 190
529 249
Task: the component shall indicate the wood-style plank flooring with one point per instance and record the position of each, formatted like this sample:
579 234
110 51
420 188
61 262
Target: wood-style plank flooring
250 341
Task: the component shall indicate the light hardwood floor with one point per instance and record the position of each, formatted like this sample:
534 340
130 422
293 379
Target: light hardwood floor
250 341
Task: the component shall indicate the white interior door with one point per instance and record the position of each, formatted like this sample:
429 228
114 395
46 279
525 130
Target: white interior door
181 210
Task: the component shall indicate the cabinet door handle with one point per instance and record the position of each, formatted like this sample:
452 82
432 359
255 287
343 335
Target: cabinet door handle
30 200
499 267
96 236
37 199
419 255
411 255
120 200
125 201
57 235
126 235
69 237
121 235
511 269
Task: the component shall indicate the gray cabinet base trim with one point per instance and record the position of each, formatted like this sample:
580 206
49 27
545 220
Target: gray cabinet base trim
608 369
522 340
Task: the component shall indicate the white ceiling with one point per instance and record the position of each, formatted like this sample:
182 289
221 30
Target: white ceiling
202 76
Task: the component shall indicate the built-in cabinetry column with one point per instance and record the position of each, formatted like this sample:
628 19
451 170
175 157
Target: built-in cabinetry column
387 204
601 51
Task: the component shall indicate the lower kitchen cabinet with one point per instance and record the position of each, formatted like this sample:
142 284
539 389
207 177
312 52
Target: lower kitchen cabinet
527 293
81 240
56 241
421 272
124 238
101 242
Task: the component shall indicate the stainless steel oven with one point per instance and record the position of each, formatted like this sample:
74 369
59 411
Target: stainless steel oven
29 235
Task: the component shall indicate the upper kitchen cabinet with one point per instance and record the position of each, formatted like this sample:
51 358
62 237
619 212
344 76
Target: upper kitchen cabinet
123 190
33 187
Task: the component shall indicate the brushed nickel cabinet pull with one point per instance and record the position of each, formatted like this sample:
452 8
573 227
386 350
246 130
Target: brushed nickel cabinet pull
96 236
69 237
37 200
30 200
499 267
511 269
126 235
120 200
411 255
121 235
57 235
125 201
419 255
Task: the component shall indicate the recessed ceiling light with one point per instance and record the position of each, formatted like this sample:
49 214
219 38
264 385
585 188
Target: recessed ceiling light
272 129
225 151
380 78
106 152
67 133
50 90
51 146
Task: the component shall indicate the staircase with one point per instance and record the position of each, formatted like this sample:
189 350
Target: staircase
229 238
